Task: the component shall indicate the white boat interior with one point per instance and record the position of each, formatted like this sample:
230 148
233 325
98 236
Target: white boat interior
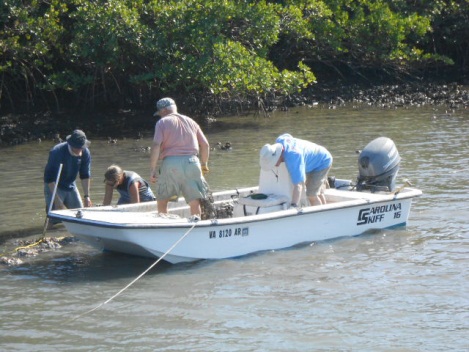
272 195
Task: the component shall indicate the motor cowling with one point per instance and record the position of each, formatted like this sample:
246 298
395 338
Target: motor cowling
378 165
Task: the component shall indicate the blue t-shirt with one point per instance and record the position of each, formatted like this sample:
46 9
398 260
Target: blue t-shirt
302 157
144 190
72 166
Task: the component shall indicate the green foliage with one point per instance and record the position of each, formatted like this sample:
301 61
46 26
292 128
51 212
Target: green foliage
235 69
220 47
29 37
360 33
104 32
129 52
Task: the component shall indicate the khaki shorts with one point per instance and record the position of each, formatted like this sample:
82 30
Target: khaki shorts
316 182
181 175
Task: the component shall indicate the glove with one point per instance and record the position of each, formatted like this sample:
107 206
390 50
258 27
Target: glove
205 169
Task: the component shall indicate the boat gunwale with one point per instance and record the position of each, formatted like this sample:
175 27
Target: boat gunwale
276 215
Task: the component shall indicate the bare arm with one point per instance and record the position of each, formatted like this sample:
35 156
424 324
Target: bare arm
85 183
295 199
204 148
108 195
134 195
154 155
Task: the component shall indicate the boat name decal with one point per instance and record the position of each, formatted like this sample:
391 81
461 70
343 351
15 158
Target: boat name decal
229 232
376 214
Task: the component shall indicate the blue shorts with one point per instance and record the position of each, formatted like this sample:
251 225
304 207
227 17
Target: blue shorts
181 175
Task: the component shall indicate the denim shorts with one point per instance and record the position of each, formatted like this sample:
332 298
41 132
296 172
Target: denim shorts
180 175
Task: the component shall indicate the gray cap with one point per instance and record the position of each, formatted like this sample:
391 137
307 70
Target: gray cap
164 103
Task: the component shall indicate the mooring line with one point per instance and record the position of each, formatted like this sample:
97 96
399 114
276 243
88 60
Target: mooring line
137 278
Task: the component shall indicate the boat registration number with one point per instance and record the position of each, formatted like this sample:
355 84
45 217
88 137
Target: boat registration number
229 232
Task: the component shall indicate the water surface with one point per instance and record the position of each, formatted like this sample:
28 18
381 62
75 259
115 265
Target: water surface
394 290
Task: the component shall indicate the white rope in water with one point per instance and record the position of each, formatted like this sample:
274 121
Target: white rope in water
138 277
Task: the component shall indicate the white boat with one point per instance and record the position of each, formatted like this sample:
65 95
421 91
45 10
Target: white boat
239 223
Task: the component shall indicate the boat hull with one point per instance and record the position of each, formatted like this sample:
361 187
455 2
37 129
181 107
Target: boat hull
148 234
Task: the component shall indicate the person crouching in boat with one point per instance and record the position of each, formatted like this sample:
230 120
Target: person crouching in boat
307 163
130 185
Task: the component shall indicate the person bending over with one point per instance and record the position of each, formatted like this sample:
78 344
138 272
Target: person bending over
131 186
308 164
75 158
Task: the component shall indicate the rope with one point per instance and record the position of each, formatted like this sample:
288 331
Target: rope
41 240
30 245
137 278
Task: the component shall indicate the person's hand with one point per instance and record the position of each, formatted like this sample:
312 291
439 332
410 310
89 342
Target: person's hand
153 176
205 169
88 202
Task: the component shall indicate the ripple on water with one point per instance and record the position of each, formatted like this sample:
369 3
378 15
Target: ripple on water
396 290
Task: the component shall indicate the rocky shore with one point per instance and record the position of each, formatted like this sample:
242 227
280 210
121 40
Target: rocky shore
31 248
18 129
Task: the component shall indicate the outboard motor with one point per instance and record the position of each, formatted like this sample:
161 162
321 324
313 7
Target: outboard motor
378 165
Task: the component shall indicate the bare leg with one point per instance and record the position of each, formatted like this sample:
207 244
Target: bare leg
195 207
323 198
162 206
315 200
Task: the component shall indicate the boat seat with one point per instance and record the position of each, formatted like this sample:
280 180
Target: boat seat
278 182
277 187
272 201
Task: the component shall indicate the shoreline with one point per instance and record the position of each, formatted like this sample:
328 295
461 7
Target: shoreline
24 128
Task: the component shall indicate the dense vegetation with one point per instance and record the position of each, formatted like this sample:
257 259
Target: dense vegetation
92 55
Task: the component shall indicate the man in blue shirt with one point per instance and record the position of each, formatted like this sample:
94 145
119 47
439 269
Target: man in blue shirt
75 158
307 163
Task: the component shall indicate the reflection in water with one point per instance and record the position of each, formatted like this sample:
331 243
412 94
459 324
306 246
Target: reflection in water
401 289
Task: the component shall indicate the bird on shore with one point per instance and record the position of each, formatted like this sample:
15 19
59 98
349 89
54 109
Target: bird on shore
57 138
227 146
221 146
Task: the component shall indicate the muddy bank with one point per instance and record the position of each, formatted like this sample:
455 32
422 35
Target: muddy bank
453 95
17 129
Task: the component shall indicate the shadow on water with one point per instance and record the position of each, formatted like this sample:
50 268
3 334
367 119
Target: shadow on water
63 267
75 263
20 233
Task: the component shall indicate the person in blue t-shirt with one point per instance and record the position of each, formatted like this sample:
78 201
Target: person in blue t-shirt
75 158
131 187
307 163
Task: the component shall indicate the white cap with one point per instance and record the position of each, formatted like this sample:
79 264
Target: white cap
269 155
